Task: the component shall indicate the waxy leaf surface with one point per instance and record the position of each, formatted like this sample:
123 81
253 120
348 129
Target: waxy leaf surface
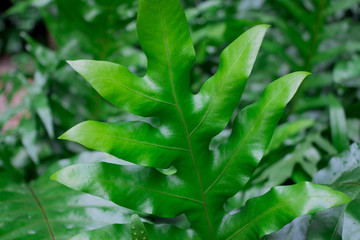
342 222
44 209
186 123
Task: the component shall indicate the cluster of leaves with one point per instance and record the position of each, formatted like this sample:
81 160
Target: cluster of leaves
45 86
305 36
182 148
203 180
39 105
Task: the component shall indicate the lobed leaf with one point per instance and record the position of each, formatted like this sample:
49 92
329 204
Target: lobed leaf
203 179
250 137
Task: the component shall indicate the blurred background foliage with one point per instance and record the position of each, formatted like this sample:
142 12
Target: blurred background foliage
41 97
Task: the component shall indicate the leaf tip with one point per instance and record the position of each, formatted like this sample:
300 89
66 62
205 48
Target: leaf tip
344 198
135 218
303 73
53 176
73 133
72 63
261 28
77 65
63 136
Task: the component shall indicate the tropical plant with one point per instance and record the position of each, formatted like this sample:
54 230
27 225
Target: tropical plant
44 209
42 112
175 172
342 222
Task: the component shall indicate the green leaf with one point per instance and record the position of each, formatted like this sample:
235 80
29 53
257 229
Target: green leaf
337 6
297 162
149 190
42 108
165 39
278 207
288 129
342 174
339 134
183 127
45 209
28 133
138 230
220 94
353 129
351 228
122 231
119 139
347 73
46 57
122 88
296 230
251 134
300 13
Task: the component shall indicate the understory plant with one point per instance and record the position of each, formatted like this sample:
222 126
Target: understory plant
173 170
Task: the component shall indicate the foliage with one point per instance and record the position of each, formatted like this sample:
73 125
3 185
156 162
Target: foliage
180 137
53 211
41 97
342 222
46 85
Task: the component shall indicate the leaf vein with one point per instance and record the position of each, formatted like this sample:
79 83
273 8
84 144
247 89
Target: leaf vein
271 210
245 138
183 121
141 94
135 141
154 190
42 212
220 89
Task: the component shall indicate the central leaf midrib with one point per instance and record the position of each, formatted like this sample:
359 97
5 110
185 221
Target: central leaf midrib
43 213
136 141
245 138
141 94
183 120
154 190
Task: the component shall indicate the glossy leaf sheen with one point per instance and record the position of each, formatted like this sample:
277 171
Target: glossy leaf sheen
122 231
342 174
138 229
204 178
279 205
45 209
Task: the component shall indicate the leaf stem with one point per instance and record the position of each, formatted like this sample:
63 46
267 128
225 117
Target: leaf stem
184 123
42 212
